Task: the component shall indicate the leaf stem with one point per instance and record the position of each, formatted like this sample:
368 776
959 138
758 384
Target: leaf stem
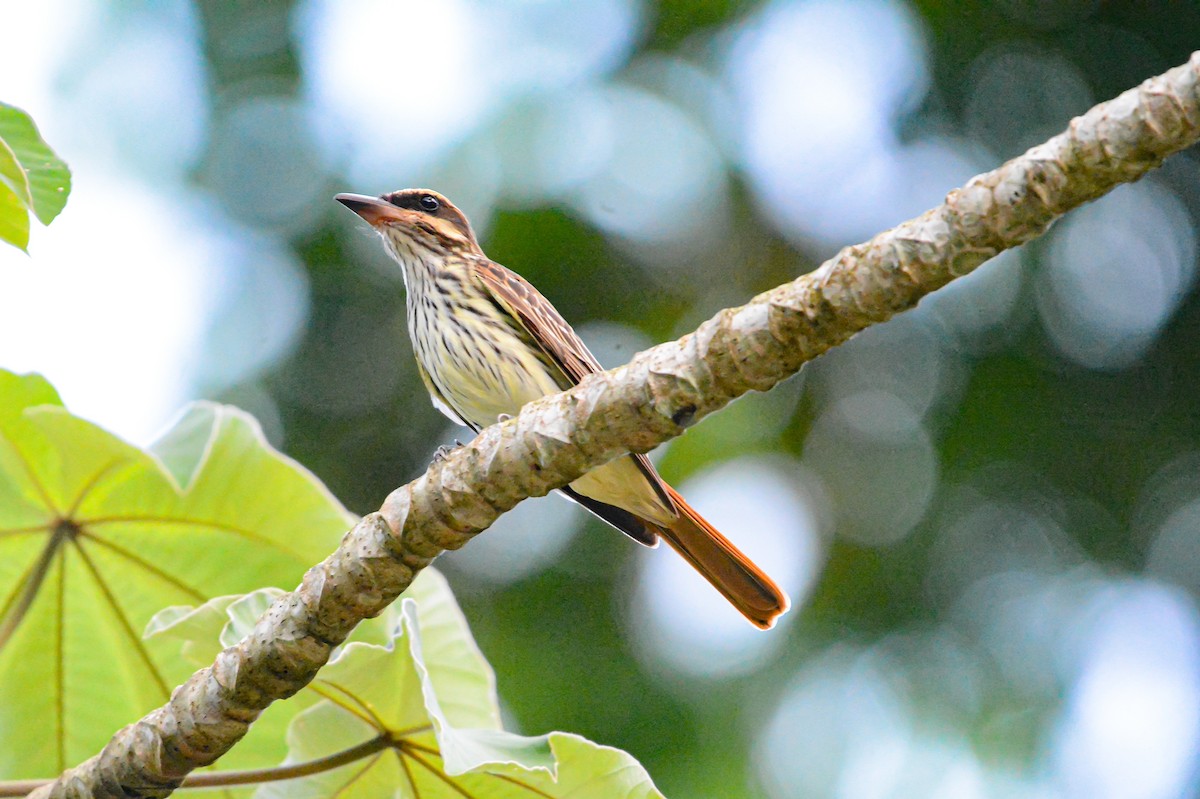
14 615
291 771
219 779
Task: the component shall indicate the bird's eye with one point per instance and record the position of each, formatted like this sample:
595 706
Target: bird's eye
429 203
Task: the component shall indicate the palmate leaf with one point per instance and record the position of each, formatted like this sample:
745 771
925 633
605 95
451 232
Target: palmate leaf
407 696
412 692
96 536
201 632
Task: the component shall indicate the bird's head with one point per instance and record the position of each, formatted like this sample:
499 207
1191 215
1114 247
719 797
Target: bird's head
414 222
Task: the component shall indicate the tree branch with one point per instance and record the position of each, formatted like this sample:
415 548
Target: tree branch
634 408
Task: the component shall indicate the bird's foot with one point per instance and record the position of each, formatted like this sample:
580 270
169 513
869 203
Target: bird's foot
441 453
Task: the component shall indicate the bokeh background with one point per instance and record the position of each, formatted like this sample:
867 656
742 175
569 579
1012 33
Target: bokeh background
987 511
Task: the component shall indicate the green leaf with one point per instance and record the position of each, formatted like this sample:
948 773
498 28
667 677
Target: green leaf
14 215
13 176
48 179
97 535
405 696
19 392
203 631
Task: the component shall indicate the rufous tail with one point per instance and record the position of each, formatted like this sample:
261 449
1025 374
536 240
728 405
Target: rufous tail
721 563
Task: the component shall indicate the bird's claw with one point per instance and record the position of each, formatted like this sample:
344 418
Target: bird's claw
441 453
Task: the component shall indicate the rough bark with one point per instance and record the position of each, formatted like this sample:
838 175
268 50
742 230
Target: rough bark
635 408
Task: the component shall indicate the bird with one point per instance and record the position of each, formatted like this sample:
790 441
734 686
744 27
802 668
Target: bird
487 342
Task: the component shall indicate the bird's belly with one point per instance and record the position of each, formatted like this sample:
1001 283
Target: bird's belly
483 371
482 396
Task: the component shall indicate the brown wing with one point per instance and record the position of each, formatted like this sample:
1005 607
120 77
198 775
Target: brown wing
517 296
541 320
